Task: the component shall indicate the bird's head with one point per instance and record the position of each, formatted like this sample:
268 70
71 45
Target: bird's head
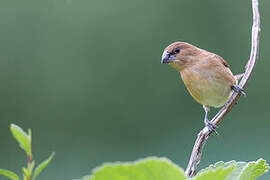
180 55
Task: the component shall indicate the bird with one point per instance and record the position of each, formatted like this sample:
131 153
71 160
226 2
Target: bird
206 75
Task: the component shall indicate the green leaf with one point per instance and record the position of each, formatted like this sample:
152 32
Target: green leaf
145 169
42 166
9 174
163 169
219 171
237 171
30 169
233 171
254 169
22 138
26 173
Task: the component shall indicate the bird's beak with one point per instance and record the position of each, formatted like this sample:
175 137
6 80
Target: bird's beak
167 58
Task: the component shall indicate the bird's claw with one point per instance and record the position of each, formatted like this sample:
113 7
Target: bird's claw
238 89
212 127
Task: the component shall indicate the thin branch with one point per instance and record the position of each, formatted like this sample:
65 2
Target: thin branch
204 134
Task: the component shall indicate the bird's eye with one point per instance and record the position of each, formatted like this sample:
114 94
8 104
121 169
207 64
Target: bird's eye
176 50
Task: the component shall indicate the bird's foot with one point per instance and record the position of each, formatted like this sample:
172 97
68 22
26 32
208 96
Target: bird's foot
211 126
238 89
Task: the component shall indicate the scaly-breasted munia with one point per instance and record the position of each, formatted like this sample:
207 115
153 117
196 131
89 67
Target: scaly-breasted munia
206 75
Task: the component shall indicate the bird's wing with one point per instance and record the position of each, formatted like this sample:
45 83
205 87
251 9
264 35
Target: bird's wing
222 61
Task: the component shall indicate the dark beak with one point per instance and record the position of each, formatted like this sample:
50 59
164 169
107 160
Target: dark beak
167 58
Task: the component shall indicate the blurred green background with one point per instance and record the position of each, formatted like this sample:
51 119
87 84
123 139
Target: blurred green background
85 76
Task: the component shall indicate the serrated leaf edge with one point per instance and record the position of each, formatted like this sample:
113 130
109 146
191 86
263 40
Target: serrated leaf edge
256 162
214 166
132 163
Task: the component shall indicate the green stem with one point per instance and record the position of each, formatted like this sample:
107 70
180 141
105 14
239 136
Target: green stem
29 161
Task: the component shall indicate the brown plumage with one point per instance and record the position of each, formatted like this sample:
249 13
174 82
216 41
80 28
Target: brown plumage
206 75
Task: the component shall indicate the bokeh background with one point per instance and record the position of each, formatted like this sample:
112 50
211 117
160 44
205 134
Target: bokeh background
85 76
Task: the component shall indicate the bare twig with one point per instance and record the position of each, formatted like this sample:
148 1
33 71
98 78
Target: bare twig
205 133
